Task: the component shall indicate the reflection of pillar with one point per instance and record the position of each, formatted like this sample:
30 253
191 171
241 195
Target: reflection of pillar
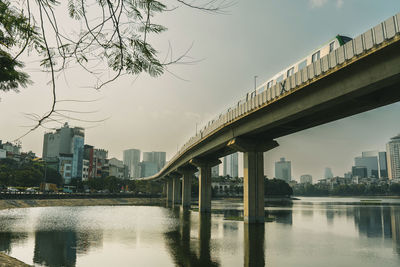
254 245
176 195
169 190
253 176
395 214
205 166
205 237
187 173
164 191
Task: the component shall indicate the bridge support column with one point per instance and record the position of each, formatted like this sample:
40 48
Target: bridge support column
176 195
169 191
187 173
253 176
205 166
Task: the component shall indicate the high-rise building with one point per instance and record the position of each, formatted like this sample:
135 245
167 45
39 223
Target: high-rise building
383 172
306 179
283 170
215 171
157 157
369 160
67 142
359 171
152 163
100 163
328 173
88 155
116 168
393 157
231 165
148 168
131 160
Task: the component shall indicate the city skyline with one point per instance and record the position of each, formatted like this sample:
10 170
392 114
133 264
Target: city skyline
217 82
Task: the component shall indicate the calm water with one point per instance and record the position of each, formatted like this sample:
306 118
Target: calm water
311 232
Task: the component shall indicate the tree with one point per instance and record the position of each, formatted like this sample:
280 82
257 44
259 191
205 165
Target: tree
106 35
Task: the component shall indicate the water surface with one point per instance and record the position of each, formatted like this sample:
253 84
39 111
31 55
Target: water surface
310 232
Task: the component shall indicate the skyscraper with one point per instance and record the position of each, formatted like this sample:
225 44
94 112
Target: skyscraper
66 142
152 163
306 179
328 173
283 170
131 160
383 173
393 157
369 160
231 165
215 171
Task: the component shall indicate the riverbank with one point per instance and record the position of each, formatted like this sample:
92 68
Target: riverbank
8 261
29 203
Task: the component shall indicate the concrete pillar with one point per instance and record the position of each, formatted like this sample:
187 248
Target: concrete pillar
187 173
205 166
205 189
253 176
176 195
254 235
169 191
253 187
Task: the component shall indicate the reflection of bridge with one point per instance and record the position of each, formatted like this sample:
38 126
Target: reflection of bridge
361 75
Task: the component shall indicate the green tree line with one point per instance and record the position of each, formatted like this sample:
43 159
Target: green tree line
26 173
346 190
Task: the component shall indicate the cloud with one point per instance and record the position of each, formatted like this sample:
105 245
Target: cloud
317 3
320 3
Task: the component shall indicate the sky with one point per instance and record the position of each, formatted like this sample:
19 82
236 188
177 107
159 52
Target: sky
254 38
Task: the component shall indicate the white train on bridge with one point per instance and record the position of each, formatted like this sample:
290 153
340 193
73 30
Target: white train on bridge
333 55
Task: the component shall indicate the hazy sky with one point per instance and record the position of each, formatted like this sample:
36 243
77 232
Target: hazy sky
258 37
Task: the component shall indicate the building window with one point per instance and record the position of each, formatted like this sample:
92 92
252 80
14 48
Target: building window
315 56
269 84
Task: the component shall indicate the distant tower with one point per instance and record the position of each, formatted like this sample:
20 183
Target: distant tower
215 171
231 165
131 159
328 173
283 170
306 179
66 144
369 160
393 157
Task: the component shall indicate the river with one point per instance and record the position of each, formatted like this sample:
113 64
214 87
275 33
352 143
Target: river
309 232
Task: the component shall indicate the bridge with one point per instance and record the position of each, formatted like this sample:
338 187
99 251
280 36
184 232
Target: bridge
359 76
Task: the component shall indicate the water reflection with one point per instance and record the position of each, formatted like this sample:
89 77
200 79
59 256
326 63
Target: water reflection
55 248
254 245
7 239
179 242
181 237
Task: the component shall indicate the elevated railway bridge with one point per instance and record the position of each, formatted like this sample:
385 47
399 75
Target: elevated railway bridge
361 75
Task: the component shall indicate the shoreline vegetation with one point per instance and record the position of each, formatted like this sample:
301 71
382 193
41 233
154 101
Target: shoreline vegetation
8 261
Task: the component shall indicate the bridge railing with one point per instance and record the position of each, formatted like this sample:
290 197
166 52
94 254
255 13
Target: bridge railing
363 43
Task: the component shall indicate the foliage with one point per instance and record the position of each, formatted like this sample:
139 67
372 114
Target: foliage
114 185
26 174
273 187
104 35
346 190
